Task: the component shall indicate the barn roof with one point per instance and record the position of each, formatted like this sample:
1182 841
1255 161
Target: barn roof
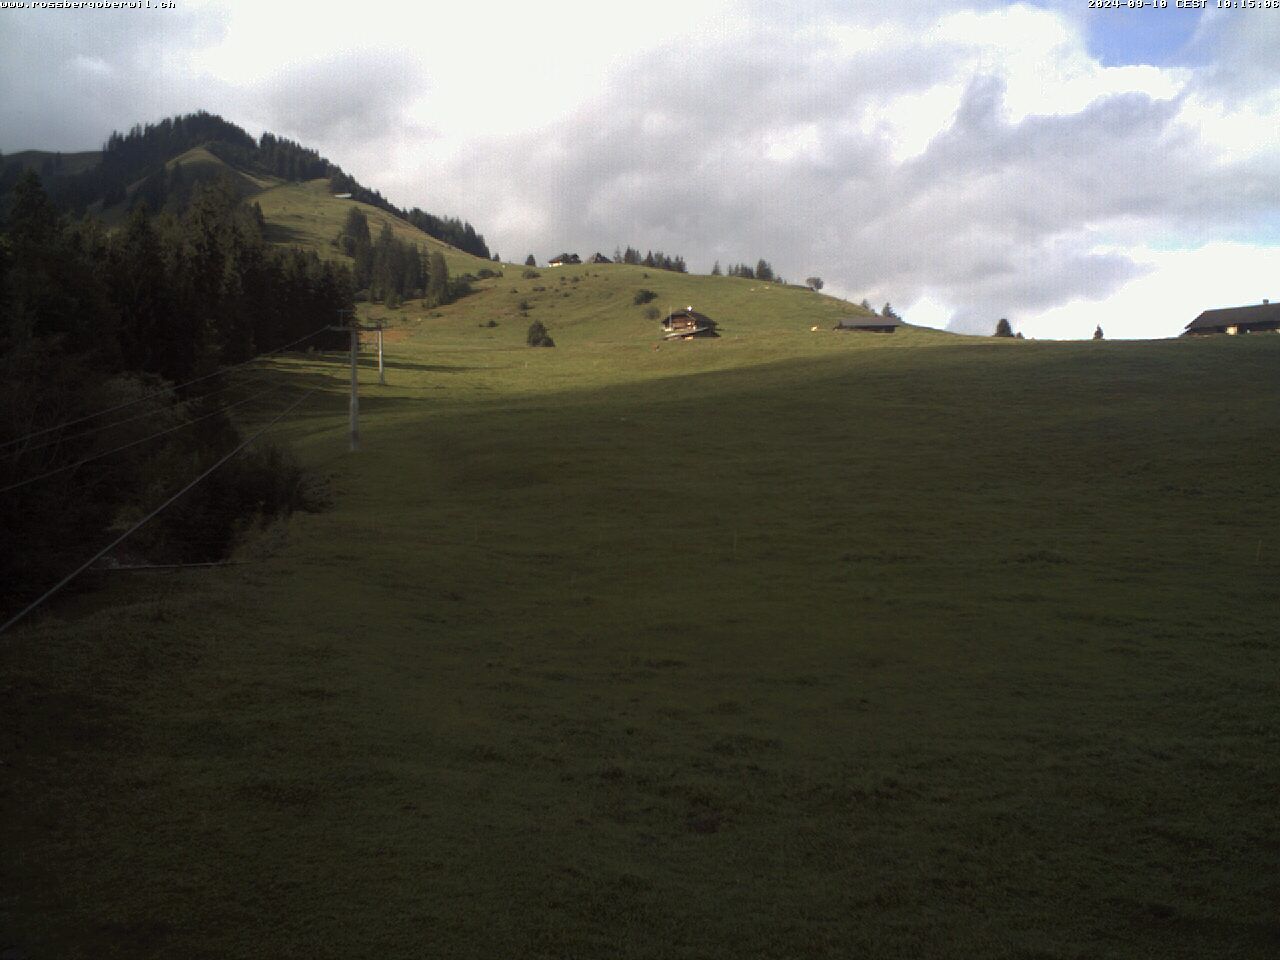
854 322
1227 316
691 314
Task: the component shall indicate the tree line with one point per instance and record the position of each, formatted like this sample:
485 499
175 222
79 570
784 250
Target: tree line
140 157
763 270
88 321
390 270
654 259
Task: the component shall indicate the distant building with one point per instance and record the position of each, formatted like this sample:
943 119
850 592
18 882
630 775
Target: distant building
687 323
599 258
342 196
1262 317
565 259
872 324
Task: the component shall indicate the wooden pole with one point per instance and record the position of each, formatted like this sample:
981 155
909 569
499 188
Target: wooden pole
355 387
382 378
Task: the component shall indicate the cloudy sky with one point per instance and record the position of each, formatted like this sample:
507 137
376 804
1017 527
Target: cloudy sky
966 160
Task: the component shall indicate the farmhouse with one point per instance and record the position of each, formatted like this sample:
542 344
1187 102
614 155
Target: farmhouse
564 259
687 323
871 324
1259 318
599 258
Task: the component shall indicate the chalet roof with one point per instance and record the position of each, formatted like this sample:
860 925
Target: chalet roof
1227 316
850 323
600 258
691 314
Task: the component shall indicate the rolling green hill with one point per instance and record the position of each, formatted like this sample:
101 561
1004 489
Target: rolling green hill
308 215
790 643
291 179
305 215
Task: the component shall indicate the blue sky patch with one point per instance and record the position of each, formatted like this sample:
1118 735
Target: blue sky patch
1158 37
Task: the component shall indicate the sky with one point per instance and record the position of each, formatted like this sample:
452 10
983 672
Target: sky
965 160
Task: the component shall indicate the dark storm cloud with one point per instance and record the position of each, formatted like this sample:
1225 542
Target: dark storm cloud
72 76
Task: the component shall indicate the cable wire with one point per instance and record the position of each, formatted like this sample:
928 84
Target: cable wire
150 516
160 393
134 443
120 423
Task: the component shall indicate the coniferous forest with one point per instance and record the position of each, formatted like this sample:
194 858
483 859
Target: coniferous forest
134 168
142 321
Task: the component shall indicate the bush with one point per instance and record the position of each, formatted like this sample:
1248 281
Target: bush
531 274
643 296
485 273
538 336
652 313
523 306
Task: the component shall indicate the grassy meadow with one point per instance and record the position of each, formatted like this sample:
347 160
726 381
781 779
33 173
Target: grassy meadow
307 215
790 643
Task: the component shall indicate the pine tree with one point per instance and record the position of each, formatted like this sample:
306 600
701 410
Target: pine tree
715 269
530 261
437 280
1003 328
1097 334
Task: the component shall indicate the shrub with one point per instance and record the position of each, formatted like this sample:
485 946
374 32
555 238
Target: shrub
523 306
643 296
652 313
531 274
538 336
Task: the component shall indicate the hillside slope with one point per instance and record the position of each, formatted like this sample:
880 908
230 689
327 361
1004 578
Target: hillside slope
308 215
788 643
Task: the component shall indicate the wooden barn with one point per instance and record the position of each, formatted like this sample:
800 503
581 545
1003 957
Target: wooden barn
871 324
599 258
565 259
1259 318
688 323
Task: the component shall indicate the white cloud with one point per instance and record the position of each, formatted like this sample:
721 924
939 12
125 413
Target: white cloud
971 161
1177 286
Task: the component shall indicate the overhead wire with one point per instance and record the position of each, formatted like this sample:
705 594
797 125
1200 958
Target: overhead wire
158 393
150 516
133 443
120 423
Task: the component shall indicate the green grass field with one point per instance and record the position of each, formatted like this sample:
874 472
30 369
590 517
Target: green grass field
307 215
784 644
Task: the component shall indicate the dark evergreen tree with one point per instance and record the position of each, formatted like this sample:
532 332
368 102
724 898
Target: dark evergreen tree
438 288
538 336
1003 328
1097 333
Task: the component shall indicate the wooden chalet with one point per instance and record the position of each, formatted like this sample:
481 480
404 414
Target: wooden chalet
871 324
599 258
686 324
565 259
1260 318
